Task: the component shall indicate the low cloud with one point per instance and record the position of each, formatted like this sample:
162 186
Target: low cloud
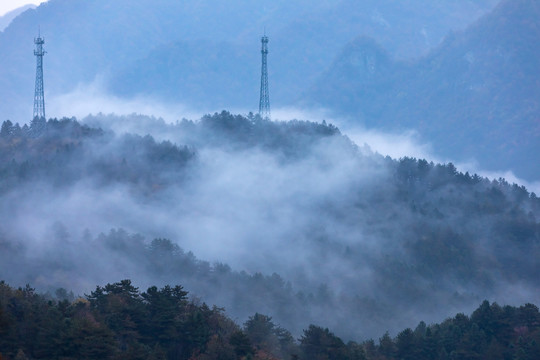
337 221
92 99
88 99
408 143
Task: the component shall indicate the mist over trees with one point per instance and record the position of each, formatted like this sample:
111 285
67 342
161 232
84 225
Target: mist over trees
289 219
309 243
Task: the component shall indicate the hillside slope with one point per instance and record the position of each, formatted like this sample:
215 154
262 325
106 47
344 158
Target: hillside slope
474 97
287 218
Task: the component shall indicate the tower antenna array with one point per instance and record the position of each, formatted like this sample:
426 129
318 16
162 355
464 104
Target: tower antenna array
264 102
39 97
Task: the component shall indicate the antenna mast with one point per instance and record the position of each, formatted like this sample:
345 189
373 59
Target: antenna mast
39 97
264 102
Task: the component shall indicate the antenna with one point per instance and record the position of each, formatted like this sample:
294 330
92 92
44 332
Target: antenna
39 97
264 100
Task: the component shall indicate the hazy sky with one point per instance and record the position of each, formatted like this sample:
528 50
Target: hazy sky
8 5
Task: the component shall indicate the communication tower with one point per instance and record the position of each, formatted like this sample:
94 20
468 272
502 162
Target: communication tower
264 102
39 98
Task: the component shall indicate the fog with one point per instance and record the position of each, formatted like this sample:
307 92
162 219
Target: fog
292 218
92 98
352 243
236 203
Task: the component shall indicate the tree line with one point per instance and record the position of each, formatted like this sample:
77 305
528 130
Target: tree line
119 321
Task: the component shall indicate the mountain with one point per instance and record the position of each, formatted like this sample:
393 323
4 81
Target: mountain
476 96
124 44
290 219
8 17
192 73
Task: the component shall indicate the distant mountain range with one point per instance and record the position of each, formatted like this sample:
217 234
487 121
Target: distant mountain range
8 17
207 52
476 96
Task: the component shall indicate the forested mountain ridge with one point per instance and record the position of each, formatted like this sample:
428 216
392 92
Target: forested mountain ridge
118 321
350 236
290 219
474 97
63 152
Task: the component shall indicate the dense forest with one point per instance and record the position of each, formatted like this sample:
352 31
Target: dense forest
289 219
118 321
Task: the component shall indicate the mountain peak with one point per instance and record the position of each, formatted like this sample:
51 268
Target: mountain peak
8 17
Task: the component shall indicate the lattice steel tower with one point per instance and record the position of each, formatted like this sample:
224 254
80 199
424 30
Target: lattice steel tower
39 98
264 102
